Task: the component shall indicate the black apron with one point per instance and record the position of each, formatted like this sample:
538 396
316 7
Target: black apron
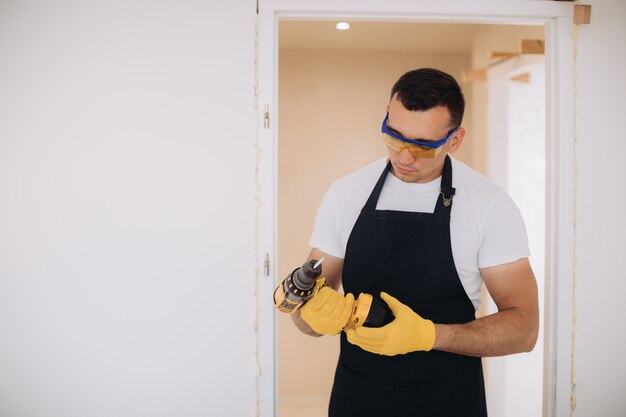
409 256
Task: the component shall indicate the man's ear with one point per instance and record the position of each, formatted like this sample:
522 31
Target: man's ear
457 140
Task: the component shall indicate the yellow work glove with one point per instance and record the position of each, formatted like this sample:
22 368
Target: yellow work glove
328 311
408 332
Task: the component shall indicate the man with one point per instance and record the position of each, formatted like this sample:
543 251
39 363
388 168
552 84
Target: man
422 231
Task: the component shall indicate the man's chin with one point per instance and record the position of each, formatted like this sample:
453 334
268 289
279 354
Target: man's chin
406 175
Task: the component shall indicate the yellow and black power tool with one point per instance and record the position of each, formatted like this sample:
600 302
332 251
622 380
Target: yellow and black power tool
302 284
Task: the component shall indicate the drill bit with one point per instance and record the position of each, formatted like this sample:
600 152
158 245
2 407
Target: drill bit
318 263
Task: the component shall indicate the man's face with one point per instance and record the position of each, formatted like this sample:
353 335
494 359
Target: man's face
429 125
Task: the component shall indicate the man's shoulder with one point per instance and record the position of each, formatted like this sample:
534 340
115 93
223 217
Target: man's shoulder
465 177
476 195
351 191
363 177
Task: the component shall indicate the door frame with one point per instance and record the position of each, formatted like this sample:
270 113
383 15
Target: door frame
557 18
498 370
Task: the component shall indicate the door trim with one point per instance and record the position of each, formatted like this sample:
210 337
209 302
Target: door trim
557 17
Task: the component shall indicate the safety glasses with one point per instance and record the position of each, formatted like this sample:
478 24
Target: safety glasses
418 148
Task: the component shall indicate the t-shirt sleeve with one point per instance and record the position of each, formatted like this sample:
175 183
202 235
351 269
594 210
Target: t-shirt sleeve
325 236
504 237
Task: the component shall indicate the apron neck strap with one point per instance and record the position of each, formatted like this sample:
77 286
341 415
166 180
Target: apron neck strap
373 198
446 193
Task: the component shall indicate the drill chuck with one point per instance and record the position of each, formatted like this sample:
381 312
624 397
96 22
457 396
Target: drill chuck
304 277
298 287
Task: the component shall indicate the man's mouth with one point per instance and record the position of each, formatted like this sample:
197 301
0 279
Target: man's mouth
403 169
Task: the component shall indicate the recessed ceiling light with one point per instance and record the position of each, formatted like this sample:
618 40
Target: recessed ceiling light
342 26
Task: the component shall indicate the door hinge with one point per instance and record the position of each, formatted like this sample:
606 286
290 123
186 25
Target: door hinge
266 264
266 117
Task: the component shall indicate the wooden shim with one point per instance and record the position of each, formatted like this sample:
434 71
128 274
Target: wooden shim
533 46
523 77
582 14
501 55
472 75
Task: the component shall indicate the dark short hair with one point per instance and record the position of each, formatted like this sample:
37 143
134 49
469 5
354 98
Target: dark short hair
425 88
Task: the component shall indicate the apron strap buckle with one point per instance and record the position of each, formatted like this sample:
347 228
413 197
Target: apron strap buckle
447 193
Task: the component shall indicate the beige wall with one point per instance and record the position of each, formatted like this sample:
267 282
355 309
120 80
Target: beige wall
597 378
488 38
331 108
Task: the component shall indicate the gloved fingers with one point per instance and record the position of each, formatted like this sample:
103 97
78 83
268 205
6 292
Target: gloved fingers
328 311
331 305
395 306
354 339
371 334
342 310
347 308
319 300
380 347
379 350
350 299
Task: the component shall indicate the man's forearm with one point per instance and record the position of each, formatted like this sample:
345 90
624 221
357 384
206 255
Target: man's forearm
302 325
503 333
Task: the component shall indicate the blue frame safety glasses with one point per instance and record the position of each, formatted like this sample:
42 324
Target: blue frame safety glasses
418 148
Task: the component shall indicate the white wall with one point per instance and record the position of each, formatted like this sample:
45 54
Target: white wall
127 136
599 361
117 125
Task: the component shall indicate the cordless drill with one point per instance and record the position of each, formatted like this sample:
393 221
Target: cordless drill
302 284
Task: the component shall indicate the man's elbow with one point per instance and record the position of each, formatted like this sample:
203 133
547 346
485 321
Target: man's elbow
530 338
529 344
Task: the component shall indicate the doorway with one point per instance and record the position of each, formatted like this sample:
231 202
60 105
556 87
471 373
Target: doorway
557 19
333 89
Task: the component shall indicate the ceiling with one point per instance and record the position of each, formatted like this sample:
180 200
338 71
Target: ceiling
403 36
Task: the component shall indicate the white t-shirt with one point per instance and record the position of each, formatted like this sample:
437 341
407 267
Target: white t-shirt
486 227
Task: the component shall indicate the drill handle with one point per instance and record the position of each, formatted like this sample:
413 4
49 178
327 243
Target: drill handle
369 311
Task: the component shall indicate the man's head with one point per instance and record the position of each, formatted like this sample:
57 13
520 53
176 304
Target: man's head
426 108
425 88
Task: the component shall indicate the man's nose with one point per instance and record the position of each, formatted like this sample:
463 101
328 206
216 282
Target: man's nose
406 157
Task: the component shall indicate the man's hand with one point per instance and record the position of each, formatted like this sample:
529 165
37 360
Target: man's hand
408 332
328 311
